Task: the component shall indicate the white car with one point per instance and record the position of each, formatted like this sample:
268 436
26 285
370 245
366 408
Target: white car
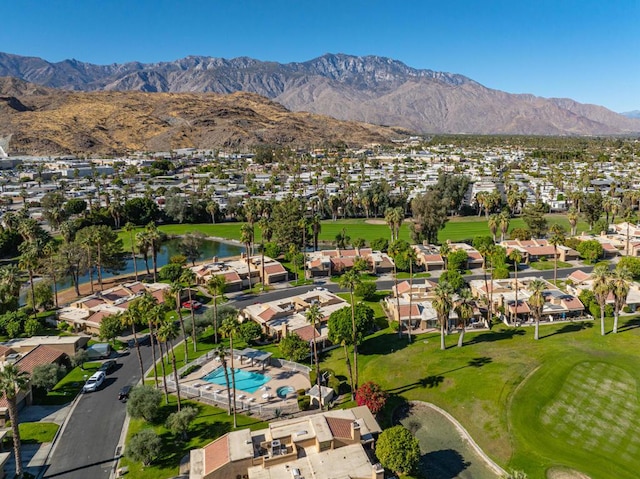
94 382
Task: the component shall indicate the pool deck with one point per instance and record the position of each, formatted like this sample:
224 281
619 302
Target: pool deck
264 395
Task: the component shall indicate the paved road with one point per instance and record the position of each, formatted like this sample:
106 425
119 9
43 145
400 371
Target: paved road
87 446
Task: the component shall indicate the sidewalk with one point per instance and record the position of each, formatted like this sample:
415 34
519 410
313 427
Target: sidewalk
35 456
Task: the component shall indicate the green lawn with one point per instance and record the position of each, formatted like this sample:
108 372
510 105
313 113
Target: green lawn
210 424
37 432
458 228
68 387
568 399
548 264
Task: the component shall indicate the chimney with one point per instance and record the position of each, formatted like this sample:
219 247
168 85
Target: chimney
377 471
284 330
355 431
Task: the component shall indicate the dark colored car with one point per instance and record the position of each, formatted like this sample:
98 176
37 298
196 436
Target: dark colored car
108 366
123 395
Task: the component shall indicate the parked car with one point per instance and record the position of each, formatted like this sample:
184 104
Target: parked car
193 303
142 340
94 382
108 366
123 395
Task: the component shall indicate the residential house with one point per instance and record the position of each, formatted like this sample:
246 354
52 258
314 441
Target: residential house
328 445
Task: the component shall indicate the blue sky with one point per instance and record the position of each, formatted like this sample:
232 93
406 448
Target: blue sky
586 50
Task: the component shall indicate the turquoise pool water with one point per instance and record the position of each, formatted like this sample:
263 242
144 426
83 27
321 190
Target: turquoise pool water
245 380
283 391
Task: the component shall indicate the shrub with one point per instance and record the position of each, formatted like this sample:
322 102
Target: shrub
189 370
144 446
366 290
304 403
144 402
170 272
398 450
371 395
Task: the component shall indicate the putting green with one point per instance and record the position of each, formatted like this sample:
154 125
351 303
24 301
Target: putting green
585 415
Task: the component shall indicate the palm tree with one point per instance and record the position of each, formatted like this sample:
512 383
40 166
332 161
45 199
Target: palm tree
316 227
314 314
394 251
229 329
493 223
148 310
129 227
412 258
130 319
601 288
51 266
516 256
143 244
176 290
350 280
29 256
188 277
504 220
573 215
445 251
442 303
246 237
154 237
222 354
12 380
167 332
557 238
464 310
536 302
212 208
620 280
216 286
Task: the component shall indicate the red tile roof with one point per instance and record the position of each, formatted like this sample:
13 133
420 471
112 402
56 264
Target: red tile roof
523 307
99 316
232 277
404 311
216 454
274 269
267 314
572 303
579 276
340 427
306 333
39 355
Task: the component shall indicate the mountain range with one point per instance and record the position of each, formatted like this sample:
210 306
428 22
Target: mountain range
369 89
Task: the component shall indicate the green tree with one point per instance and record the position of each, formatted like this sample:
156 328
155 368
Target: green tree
191 246
429 216
230 328
536 302
601 288
620 285
179 422
216 285
188 278
631 264
533 216
249 331
144 446
314 315
46 376
144 403
398 450
167 332
464 310
12 380
350 280
443 303
592 208
32 327
246 237
557 238
110 328
293 347
590 250
457 260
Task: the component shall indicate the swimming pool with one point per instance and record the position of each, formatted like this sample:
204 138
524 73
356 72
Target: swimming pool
245 380
284 391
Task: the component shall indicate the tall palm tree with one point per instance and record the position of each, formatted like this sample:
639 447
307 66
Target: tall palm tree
222 354
230 328
557 238
51 266
464 310
143 243
412 258
129 227
176 290
12 380
216 285
314 315
516 256
188 278
394 251
246 237
493 222
536 302
442 303
147 309
30 252
130 319
620 281
601 288
504 220
350 280
303 224
167 332
573 215
155 241
316 227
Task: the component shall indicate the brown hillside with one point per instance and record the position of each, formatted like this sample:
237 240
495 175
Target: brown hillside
48 121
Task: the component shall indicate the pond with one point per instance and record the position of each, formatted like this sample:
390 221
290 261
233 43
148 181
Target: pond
210 249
